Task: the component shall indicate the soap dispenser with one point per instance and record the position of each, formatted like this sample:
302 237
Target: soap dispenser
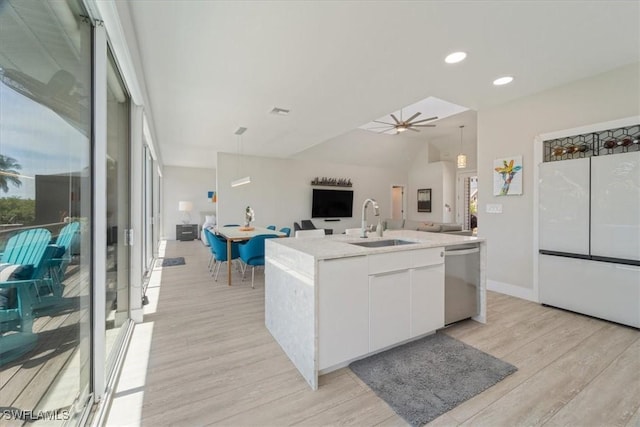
379 228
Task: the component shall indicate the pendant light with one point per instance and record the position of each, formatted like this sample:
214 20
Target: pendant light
462 158
246 179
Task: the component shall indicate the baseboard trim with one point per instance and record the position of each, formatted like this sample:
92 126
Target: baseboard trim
512 290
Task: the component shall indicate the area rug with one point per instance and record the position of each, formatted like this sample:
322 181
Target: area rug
170 262
425 378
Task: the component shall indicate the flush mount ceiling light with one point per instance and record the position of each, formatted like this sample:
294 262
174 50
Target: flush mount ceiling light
455 57
462 158
247 179
503 80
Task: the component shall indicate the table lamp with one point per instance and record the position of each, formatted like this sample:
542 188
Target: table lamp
186 208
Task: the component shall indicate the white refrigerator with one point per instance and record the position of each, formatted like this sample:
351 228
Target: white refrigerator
589 236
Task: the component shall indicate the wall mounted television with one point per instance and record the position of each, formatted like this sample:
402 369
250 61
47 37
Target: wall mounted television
332 204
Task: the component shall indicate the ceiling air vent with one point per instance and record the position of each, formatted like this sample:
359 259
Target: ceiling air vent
280 111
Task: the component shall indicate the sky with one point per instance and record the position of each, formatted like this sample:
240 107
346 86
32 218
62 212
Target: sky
39 139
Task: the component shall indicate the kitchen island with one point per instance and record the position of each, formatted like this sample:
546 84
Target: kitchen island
330 301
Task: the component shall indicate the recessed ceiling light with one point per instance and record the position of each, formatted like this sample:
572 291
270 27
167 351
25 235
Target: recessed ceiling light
454 57
503 80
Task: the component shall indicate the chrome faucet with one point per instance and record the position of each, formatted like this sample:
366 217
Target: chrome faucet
376 209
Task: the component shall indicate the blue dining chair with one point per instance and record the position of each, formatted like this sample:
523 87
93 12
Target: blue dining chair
210 236
252 253
219 246
271 227
286 230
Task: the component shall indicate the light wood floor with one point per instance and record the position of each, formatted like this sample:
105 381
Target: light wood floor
212 361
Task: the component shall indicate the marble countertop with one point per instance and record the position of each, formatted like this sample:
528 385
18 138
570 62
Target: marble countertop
337 246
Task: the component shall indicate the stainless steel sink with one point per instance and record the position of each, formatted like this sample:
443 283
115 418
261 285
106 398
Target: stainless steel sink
382 243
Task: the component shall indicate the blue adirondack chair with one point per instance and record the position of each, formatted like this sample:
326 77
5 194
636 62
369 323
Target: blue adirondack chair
252 253
29 248
26 247
66 240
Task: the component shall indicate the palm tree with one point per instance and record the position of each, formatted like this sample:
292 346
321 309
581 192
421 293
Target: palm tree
9 168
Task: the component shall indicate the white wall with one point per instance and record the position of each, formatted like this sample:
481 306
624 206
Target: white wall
280 190
440 177
509 130
187 184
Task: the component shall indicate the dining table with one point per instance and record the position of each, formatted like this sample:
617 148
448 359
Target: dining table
241 234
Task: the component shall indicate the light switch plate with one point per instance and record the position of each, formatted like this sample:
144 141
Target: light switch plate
494 208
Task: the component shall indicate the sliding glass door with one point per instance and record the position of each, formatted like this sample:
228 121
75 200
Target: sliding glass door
118 214
148 209
65 162
46 200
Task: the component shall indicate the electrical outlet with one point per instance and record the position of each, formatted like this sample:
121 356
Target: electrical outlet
494 208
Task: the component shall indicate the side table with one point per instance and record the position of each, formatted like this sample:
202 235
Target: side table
186 232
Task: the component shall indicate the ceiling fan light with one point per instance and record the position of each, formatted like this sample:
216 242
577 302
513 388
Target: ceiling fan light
455 57
462 161
401 128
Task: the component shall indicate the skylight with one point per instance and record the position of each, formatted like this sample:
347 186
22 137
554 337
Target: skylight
428 107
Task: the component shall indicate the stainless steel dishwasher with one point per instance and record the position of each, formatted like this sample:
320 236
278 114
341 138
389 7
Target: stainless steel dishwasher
461 282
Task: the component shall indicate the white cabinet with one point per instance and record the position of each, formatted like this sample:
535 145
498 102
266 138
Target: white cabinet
389 302
564 206
615 206
390 261
427 299
407 300
343 321
601 289
367 303
426 257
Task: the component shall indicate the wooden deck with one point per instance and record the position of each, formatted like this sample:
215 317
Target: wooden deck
212 361
41 379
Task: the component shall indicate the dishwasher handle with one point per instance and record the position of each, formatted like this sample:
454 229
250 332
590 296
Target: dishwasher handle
461 252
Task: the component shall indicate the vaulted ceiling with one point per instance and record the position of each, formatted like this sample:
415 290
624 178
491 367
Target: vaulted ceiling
211 67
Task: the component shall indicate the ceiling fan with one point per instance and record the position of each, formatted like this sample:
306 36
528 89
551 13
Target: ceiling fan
403 125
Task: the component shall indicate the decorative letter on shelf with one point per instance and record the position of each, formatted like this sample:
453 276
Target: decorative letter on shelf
332 182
